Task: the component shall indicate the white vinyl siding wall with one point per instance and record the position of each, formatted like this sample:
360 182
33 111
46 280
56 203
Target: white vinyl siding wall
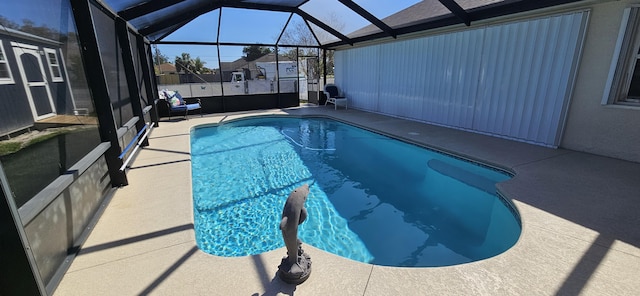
511 80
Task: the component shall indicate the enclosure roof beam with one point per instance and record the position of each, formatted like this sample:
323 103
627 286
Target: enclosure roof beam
231 44
180 18
324 26
312 33
146 8
256 6
284 28
302 3
479 13
370 17
458 11
297 10
173 30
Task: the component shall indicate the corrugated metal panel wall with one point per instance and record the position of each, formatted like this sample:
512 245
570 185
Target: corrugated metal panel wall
513 80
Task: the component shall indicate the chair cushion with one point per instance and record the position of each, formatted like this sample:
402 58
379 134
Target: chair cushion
193 106
175 102
332 90
179 108
173 97
179 97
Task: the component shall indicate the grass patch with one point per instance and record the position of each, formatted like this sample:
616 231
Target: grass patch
7 148
45 137
13 146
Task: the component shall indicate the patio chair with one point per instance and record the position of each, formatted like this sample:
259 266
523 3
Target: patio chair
334 96
176 103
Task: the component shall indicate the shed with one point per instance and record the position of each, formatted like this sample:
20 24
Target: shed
33 78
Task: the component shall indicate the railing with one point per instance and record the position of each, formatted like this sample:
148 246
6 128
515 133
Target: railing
137 140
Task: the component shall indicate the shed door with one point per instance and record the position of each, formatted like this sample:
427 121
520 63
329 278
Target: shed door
35 81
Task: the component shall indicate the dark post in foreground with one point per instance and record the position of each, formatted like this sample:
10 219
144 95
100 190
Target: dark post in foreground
296 267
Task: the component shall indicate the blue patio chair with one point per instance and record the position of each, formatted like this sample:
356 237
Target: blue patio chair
334 96
176 103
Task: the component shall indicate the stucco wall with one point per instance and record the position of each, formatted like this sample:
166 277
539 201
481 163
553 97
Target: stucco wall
591 127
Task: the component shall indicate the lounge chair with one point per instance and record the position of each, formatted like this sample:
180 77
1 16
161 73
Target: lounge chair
334 96
176 103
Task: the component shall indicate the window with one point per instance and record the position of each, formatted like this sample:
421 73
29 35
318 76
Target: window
54 65
623 84
5 71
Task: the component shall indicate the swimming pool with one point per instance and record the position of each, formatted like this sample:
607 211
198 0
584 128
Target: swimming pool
374 199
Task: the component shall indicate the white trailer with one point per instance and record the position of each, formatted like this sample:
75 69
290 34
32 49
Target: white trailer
286 70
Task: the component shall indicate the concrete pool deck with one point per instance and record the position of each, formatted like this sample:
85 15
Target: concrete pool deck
580 216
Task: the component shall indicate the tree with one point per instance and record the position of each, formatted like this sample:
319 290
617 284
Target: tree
29 26
184 63
298 33
6 23
159 58
253 52
198 66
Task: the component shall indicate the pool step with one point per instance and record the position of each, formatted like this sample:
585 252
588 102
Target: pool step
462 175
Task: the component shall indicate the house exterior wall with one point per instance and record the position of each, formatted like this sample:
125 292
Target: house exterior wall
15 113
60 90
609 130
588 125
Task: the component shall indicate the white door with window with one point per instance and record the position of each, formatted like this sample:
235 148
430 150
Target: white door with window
35 80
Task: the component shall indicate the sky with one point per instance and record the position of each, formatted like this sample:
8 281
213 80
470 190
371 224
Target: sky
246 26
237 25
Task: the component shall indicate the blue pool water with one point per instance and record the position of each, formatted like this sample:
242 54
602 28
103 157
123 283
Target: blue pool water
373 199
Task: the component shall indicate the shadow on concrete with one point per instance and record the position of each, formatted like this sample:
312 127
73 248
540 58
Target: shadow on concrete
158 164
147 236
169 136
169 271
135 239
166 150
277 287
596 192
272 284
175 119
586 267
